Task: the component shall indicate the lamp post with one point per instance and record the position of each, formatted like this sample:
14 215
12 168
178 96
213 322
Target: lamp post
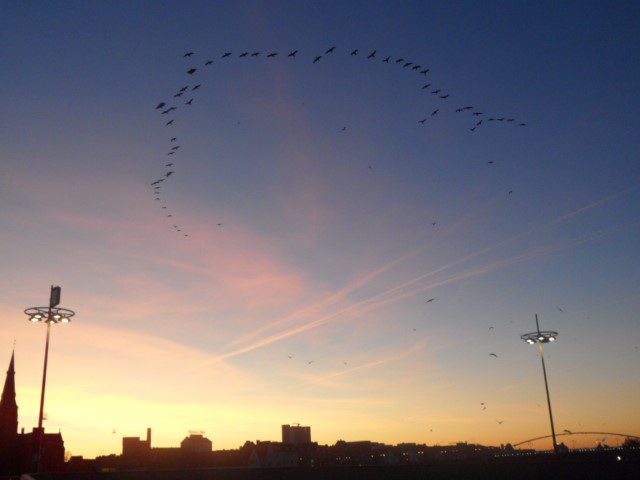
539 337
49 315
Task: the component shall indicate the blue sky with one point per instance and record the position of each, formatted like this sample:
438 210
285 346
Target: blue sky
319 256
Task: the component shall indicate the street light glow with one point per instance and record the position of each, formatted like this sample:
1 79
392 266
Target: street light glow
64 320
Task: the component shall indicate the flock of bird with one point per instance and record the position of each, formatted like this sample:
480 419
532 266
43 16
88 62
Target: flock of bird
185 95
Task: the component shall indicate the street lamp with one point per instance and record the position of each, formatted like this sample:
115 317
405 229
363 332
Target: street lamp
49 315
539 337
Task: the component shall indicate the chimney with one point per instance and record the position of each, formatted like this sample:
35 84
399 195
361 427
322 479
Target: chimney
149 437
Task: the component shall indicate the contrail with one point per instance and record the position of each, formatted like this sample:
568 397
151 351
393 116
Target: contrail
371 304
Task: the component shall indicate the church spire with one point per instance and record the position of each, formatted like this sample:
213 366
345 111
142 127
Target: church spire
8 405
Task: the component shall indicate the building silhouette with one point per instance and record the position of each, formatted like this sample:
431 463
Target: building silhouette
17 449
296 435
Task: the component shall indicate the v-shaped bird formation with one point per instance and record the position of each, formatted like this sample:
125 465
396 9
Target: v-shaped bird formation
185 95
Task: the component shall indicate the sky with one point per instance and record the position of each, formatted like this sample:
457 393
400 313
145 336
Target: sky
326 187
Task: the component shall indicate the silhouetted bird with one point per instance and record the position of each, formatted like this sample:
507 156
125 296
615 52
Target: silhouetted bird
177 147
560 310
255 54
185 88
290 356
501 119
490 162
493 355
430 300
219 224
422 121
415 67
386 60
510 119
372 54
407 64
191 71
330 50
491 119
500 422
164 112
400 60
477 113
490 328
168 174
208 62
168 165
179 94
355 52
433 224
273 54
189 102
424 87
344 128
170 122
444 96
459 110
425 71
196 87
510 192
479 123
309 362
188 54
160 105
435 112
523 124
467 108
436 92
173 139
243 54
473 129
226 55
171 153
169 216
292 54
317 59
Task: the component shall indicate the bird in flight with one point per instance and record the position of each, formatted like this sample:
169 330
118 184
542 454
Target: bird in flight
430 300
436 92
177 147
386 60
160 105
425 71
459 110
476 113
400 60
273 54
473 129
510 119
317 59
168 165
433 224
500 422
467 108
196 87
444 96
344 128
171 153
523 124
179 94
560 310
170 122
355 52
330 50
422 121
184 89
478 124
219 224
510 192
226 55
255 54
191 71
208 62
292 54
173 139
424 87
407 64
188 54
243 54
164 112
435 112
493 355
168 174
490 162
415 67
309 362
372 54
290 356
490 328
189 102
164 208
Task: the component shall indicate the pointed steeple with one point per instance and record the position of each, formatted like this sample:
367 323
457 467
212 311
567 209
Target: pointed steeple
8 405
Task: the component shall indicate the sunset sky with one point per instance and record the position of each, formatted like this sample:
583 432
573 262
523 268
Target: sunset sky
326 252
